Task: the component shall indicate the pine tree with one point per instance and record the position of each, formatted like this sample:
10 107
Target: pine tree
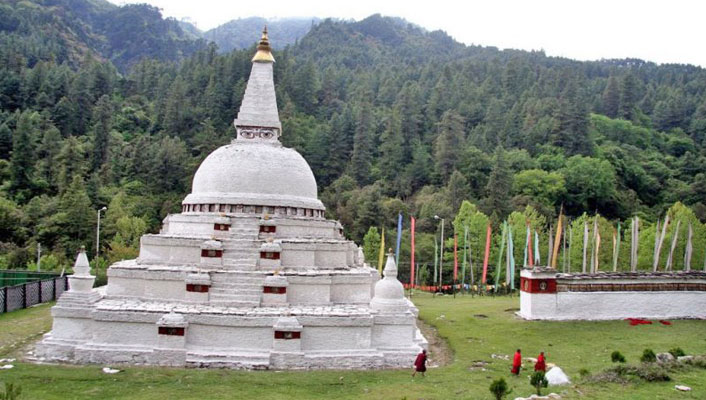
75 217
458 189
47 153
22 159
449 144
497 202
611 97
5 142
628 96
102 115
362 157
71 163
391 149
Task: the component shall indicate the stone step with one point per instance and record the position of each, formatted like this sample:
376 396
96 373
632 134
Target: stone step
235 303
238 285
228 359
236 291
246 300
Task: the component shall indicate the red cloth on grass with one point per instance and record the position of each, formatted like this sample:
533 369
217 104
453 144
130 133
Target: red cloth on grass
663 322
638 321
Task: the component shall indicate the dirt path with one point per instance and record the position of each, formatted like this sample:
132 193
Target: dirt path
440 353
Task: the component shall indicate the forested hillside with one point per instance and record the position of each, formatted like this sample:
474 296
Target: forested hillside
390 117
72 31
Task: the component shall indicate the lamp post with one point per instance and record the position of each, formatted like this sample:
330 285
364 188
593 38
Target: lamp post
441 257
98 232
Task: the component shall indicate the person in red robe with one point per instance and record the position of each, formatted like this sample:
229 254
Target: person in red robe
517 362
541 364
420 364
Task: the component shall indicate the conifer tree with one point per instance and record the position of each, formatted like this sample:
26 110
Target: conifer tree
611 97
362 156
628 96
22 159
497 202
5 141
448 145
102 118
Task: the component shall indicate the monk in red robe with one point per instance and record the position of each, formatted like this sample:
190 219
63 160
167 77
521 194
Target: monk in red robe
420 364
516 362
541 364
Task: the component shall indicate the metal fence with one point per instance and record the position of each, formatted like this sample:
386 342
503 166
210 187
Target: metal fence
30 293
12 277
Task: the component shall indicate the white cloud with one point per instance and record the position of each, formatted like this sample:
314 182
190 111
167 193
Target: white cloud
663 32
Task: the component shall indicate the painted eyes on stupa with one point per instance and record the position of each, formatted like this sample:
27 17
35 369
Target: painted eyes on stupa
263 133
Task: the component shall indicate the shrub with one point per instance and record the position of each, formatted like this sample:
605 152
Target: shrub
617 356
538 381
499 389
677 352
648 356
11 392
584 372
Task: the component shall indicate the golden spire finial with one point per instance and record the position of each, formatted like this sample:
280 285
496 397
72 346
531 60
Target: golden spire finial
264 51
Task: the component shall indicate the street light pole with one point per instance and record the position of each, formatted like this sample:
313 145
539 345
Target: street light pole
98 232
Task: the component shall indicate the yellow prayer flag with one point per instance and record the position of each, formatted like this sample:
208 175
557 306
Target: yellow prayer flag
557 239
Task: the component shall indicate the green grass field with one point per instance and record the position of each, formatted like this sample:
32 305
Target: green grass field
571 345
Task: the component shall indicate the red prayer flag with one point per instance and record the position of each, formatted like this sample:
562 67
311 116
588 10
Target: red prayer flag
455 257
411 275
487 254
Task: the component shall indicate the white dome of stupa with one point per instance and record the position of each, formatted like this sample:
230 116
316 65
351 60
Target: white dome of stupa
253 172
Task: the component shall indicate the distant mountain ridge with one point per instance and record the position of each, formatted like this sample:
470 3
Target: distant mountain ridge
243 32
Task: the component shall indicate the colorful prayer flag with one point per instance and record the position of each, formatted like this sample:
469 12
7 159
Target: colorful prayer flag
500 255
411 262
557 238
674 245
399 238
484 279
455 258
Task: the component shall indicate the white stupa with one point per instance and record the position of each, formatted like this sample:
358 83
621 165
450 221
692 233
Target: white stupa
249 275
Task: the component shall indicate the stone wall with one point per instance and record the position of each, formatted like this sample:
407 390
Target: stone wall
548 295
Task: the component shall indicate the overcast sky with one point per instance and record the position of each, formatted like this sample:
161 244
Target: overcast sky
670 31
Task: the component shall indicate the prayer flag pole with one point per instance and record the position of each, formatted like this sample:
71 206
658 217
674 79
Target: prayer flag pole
689 249
671 250
500 256
557 239
399 238
658 248
455 263
484 278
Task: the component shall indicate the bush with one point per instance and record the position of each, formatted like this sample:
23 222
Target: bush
616 356
499 389
538 381
677 352
584 372
11 392
648 356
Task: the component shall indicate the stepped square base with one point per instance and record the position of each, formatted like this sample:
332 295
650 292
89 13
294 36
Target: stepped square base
126 332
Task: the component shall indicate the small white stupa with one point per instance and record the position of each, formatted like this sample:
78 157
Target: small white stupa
249 275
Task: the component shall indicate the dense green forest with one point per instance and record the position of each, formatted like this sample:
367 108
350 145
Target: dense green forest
391 118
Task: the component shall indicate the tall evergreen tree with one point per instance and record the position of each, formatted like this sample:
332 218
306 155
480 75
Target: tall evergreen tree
362 157
102 115
611 97
5 141
22 159
628 96
497 201
449 143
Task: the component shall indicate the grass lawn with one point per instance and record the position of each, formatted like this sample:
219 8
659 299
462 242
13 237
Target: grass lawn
571 345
